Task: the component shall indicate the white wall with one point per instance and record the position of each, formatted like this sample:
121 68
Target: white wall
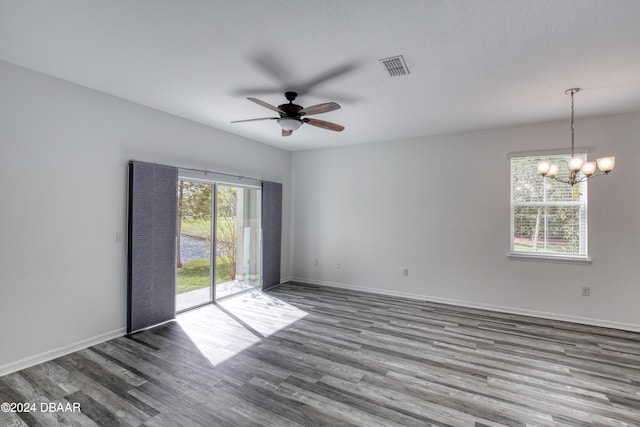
63 177
437 205
440 206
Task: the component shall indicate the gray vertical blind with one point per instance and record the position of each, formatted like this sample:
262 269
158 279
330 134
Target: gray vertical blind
271 233
153 209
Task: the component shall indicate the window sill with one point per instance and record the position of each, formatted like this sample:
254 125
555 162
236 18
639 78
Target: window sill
549 258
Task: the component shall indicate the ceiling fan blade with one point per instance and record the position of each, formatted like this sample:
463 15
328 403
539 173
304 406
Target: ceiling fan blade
258 90
323 124
286 132
272 65
266 105
320 108
253 120
331 74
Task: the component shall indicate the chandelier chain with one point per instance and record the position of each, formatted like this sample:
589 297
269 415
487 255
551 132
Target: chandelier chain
572 130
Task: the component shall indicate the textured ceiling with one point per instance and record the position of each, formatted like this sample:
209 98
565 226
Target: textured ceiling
473 64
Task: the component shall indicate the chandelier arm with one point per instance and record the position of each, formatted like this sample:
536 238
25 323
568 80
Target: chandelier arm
583 178
557 179
598 174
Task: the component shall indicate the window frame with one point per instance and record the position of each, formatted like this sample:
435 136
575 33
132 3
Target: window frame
579 256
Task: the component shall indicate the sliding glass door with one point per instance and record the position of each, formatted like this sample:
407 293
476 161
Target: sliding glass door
237 239
218 242
193 260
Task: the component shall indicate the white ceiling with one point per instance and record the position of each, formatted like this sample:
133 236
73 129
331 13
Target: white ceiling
473 64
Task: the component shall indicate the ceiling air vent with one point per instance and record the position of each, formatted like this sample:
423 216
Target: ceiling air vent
395 65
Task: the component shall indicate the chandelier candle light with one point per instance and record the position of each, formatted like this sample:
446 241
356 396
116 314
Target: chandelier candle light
577 164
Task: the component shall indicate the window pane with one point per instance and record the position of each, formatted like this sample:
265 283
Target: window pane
529 186
526 183
547 229
238 230
193 274
563 229
527 230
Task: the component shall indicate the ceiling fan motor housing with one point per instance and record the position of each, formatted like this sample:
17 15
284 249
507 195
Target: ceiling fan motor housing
290 109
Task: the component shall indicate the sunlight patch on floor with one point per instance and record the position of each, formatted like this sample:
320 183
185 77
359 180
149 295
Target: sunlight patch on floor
263 312
224 330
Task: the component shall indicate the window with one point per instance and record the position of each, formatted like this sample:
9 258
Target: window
548 218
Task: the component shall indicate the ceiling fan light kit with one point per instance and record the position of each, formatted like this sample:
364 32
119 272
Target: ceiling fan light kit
579 169
289 123
292 116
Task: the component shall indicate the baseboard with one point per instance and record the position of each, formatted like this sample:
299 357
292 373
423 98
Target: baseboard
469 304
286 279
58 352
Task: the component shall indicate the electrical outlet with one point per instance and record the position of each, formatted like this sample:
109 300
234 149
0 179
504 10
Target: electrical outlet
586 291
405 271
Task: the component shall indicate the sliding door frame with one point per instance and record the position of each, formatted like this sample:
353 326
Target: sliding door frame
216 180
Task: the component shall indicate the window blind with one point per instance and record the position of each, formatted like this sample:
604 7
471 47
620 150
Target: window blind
271 233
151 245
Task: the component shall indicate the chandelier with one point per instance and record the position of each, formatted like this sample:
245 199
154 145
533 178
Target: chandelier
579 169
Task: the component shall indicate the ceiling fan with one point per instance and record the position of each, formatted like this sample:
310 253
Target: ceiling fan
292 116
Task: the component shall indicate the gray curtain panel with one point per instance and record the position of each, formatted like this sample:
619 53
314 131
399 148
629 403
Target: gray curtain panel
271 233
153 209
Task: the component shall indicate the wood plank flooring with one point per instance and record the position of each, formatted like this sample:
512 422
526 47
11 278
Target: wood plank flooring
303 355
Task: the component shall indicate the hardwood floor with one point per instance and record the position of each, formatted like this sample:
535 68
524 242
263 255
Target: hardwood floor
303 355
